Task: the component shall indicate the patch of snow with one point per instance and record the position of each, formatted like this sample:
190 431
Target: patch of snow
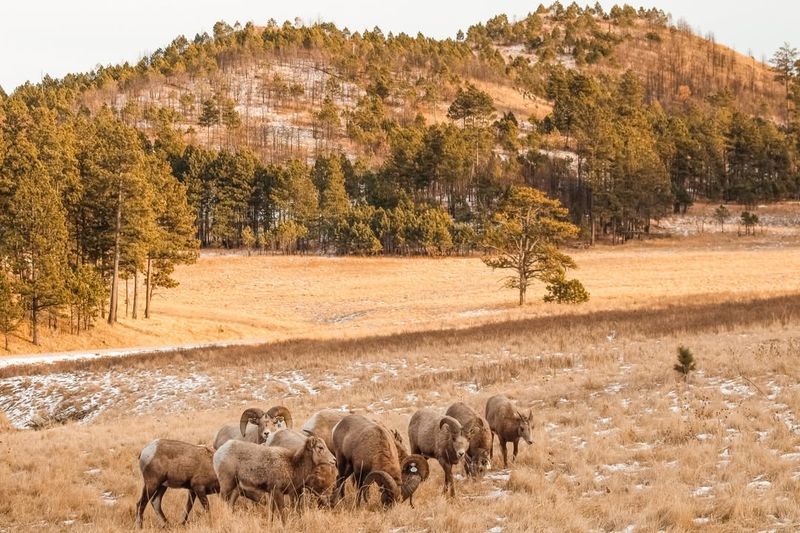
704 436
701 520
500 475
759 484
701 492
795 456
477 313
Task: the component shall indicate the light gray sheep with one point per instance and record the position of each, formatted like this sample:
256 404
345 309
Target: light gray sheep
255 470
254 425
439 437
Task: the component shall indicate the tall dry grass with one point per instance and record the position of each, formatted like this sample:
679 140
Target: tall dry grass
620 440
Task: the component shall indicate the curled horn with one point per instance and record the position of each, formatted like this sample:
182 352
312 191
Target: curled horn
390 493
249 415
423 470
452 423
413 471
280 411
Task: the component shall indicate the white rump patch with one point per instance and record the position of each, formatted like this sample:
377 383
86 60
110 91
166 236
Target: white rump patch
147 454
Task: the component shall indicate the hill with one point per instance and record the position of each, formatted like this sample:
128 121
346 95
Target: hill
278 78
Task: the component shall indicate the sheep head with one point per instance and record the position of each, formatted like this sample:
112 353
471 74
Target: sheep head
524 426
320 454
280 416
257 417
456 441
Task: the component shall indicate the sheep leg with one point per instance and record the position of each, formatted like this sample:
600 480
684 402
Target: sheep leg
201 495
516 446
156 503
142 505
503 450
345 471
227 490
189 504
448 478
491 446
278 504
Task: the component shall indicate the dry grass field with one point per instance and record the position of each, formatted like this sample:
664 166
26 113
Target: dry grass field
235 297
621 442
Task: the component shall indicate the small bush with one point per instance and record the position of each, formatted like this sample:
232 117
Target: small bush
564 291
653 36
686 363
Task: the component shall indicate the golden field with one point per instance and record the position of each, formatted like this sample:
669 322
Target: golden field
266 298
621 442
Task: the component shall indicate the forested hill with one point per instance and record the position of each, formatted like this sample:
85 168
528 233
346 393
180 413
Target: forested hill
315 138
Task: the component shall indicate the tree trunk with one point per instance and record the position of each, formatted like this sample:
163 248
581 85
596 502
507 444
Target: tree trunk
135 314
148 291
126 296
34 322
6 343
112 308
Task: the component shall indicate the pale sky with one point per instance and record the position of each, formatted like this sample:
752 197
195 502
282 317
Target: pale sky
56 37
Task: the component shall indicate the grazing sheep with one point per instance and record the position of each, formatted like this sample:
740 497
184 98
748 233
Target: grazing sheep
176 465
508 424
256 470
254 425
478 458
323 479
368 451
321 425
438 437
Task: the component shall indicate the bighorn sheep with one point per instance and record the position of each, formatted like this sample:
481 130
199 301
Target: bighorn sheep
177 465
438 437
323 479
478 457
256 470
254 425
321 425
508 424
368 451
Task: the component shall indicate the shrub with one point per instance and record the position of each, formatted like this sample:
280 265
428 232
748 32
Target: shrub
564 291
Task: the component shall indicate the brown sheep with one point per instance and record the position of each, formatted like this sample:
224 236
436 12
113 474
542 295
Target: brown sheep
508 424
256 470
478 458
438 437
176 465
368 451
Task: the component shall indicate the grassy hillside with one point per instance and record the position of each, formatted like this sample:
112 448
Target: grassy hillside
278 77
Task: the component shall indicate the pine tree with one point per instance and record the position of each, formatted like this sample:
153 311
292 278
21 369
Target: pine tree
721 214
686 363
11 311
524 237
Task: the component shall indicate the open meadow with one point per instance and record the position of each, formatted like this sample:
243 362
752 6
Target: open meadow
620 441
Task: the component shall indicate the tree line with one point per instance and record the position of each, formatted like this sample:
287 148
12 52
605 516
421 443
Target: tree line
86 204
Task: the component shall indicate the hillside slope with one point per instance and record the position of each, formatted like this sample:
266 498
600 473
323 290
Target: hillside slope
279 79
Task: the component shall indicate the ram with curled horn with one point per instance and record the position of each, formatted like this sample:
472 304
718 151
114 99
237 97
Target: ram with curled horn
439 437
369 452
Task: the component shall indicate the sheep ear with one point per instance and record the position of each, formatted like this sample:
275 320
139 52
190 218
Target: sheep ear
310 443
530 415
